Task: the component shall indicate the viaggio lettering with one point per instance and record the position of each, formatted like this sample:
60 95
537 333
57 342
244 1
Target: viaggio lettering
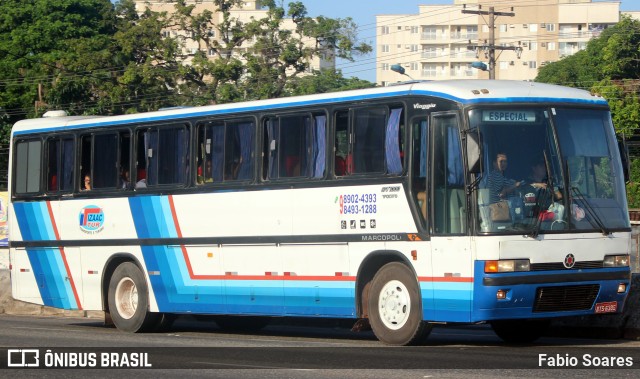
423 106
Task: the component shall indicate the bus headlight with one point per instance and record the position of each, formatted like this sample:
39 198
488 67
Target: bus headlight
507 265
616 261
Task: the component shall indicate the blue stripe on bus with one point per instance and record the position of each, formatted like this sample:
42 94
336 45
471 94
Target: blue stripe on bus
451 301
239 110
47 265
309 298
176 291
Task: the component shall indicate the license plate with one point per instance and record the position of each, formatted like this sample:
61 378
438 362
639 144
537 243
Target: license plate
609 307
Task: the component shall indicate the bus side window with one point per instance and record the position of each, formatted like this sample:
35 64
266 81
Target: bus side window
340 149
294 136
85 161
294 146
53 164
419 182
449 203
239 150
27 167
368 140
59 176
393 141
99 161
124 162
162 155
210 153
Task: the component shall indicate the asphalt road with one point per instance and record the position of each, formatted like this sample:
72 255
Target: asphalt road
195 349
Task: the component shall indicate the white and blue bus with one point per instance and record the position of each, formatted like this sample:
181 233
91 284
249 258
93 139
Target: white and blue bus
393 206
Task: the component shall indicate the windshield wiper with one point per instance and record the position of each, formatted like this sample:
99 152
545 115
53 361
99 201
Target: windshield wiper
536 227
594 218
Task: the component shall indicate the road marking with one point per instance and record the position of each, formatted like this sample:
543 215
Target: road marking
31 328
253 366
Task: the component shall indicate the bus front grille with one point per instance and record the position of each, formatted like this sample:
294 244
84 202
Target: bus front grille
567 298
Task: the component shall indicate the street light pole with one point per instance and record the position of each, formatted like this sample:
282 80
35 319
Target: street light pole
490 46
400 70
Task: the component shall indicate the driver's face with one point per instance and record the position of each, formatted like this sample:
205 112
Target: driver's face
501 162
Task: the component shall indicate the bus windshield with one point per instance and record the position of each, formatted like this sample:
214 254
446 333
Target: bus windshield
549 169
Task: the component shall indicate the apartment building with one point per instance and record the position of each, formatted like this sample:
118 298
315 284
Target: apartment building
441 42
249 10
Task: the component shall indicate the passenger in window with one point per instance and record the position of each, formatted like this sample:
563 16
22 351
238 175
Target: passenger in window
422 202
86 182
499 185
207 176
534 191
292 166
125 180
340 164
142 178
53 182
233 167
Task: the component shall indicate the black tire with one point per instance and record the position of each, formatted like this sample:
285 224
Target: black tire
520 331
395 306
128 299
241 323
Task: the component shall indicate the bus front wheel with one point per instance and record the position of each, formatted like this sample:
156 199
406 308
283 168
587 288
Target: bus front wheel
520 331
395 312
129 300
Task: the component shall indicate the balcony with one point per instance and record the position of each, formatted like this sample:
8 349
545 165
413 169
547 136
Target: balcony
428 37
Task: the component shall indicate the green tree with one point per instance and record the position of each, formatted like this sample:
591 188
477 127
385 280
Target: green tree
609 66
323 81
5 132
216 33
148 77
53 53
622 96
281 54
258 58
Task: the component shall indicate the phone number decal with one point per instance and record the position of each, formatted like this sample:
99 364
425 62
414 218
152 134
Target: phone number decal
366 198
362 209
358 203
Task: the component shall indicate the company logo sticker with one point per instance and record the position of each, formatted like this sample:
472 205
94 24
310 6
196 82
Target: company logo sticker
91 219
569 261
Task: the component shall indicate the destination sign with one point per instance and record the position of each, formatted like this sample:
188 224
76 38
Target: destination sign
508 116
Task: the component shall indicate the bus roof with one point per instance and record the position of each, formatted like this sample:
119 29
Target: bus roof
462 91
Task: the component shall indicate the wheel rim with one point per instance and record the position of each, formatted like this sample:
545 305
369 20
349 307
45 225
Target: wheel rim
126 298
394 304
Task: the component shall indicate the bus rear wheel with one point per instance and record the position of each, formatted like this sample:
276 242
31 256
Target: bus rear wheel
520 331
395 312
129 300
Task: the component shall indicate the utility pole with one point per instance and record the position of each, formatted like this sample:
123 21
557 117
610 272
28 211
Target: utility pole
490 46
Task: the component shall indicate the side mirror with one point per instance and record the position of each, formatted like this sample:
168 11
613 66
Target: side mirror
474 151
624 157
